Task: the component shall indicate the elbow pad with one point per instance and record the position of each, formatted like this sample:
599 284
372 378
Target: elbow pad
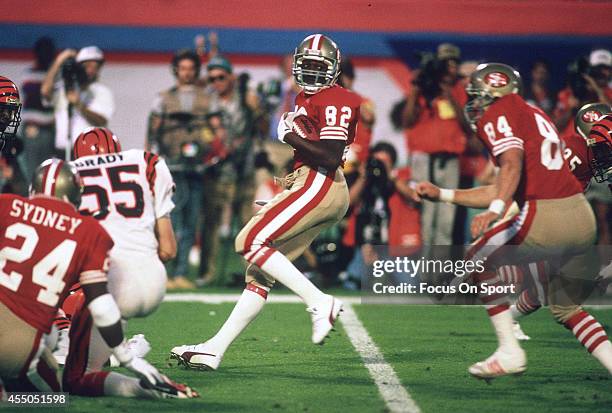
104 311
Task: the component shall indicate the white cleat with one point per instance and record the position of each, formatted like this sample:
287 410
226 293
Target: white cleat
500 364
197 357
324 316
518 332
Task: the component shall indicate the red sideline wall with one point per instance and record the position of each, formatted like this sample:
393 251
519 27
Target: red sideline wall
466 16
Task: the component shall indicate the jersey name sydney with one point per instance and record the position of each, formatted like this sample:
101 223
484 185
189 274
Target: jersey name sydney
45 247
127 192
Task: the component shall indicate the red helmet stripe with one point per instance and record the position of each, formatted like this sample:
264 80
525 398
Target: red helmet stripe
56 175
316 42
50 176
44 178
311 41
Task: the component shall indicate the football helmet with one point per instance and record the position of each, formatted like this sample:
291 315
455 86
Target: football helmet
316 63
95 141
488 82
57 178
588 115
10 110
600 148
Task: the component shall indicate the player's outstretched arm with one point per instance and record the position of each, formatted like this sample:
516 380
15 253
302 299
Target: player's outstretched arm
105 313
479 197
325 153
107 318
510 169
165 238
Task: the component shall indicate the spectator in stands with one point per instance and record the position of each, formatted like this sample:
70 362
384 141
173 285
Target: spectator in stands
367 117
588 81
183 128
37 123
437 134
537 92
238 107
79 100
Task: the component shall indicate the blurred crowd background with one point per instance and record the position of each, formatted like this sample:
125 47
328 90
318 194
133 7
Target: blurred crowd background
212 113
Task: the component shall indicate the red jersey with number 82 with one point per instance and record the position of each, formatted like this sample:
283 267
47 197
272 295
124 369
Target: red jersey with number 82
511 123
336 111
46 246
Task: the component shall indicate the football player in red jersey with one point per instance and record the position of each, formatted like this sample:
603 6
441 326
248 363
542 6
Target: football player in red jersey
46 246
588 153
316 197
576 150
579 155
524 143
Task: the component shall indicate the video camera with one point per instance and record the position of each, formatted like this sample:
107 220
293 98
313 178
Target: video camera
73 74
373 216
431 71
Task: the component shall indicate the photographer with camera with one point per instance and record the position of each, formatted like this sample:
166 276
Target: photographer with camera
230 192
588 81
184 129
382 210
437 134
79 100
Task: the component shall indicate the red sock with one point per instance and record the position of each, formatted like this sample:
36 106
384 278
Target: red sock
587 330
90 384
526 304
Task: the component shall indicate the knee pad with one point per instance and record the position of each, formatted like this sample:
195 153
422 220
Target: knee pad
562 313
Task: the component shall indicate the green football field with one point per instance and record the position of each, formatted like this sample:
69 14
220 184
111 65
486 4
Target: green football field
273 367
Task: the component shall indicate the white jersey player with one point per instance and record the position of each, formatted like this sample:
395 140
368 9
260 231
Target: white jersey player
130 194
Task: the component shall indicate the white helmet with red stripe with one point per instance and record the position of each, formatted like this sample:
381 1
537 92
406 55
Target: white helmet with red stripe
57 178
316 63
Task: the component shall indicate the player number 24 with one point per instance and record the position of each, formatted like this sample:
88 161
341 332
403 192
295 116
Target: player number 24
48 272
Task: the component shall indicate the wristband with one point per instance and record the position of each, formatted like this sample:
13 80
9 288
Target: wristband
447 195
497 206
104 311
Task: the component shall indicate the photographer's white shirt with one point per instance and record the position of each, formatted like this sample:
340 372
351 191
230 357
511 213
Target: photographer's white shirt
97 97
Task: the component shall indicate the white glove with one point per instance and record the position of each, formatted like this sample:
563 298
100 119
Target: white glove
285 125
137 365
144 370
139 345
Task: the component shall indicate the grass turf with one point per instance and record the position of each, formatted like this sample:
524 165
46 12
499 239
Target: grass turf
430 349
273 367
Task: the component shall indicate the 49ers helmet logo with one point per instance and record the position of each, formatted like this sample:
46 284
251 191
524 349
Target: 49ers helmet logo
497 79
591 116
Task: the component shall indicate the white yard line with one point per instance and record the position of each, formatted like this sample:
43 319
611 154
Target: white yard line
232 298
394 394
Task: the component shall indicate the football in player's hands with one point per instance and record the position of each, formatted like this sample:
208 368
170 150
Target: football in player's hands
306 128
